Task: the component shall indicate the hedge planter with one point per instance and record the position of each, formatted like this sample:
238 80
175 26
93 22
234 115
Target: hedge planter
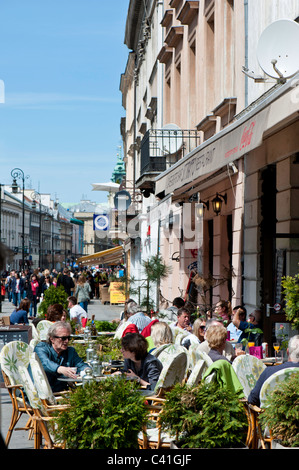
206 416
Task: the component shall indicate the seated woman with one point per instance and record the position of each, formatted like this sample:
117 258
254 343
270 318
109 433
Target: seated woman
56 312
161 333
198 333
20 314
138 362
216 337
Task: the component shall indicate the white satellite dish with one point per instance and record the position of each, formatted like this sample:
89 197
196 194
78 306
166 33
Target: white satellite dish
170 140
277 50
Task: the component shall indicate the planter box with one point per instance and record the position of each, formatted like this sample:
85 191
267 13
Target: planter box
176 445
277 445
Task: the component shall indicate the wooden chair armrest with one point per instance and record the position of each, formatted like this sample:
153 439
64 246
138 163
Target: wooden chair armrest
255 408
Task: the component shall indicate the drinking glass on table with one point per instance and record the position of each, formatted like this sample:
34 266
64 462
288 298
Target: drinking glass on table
278 356
239 349
276 346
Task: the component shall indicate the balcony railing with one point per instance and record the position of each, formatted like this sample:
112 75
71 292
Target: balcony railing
161 148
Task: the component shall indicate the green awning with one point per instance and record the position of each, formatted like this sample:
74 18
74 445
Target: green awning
77 221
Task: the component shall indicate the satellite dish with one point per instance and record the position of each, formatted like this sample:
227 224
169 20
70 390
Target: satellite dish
122 200
277 50
171 139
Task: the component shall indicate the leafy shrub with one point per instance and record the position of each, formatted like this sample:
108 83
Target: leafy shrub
291 293
206 416
103 325
103 415
53 295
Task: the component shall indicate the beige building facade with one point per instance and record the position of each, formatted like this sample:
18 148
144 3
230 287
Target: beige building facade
238 142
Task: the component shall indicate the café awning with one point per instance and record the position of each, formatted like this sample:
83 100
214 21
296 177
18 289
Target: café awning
111 256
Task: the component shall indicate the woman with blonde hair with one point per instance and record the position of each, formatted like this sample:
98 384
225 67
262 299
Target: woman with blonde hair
82 292
216 336
161 333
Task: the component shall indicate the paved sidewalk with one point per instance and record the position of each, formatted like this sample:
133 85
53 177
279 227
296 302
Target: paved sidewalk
19 439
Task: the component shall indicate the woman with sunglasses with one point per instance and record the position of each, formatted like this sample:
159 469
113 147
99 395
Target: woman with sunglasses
198 333
57 357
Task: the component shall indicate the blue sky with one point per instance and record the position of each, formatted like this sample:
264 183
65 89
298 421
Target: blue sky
61 62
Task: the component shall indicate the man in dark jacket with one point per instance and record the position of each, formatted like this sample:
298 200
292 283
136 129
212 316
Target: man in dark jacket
65 280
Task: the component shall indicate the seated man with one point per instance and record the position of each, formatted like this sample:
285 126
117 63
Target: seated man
235 333
135 316
293 361
171 312
57 357
76 311
183 320
252 323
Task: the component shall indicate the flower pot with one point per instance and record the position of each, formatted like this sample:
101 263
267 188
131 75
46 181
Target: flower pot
276 444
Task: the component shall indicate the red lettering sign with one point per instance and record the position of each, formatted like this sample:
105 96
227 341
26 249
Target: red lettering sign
247 136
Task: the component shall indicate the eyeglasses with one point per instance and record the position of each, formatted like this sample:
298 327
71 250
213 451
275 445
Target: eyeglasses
63 338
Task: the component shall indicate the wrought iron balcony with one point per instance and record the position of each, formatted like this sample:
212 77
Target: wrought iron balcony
161 148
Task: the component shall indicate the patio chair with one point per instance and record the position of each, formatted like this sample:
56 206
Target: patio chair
257 435
49 399
174 371
196 354
248 369
157 351
173 350
42 329
178 334
34 331
10 363
197 373
152 436
33 343
16 365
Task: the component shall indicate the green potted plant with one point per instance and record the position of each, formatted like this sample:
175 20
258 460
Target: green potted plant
53 295
290 285
154 270
250 331
281 413
206 416
102 415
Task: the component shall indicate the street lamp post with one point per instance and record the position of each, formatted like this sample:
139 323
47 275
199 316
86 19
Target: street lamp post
17 173
35 196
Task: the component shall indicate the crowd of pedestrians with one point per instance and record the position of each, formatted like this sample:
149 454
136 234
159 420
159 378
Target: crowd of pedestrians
26 289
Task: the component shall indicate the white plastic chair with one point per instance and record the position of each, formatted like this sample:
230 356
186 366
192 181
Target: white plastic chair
197 373
248 369
42 329
274 381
